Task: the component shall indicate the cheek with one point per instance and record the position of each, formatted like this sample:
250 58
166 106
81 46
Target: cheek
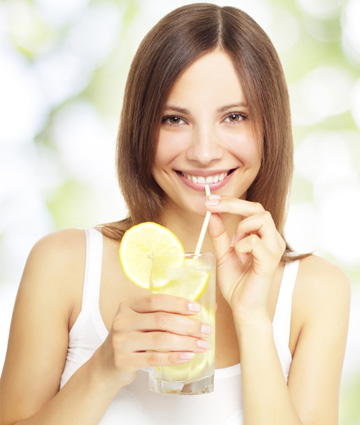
244 146
170 146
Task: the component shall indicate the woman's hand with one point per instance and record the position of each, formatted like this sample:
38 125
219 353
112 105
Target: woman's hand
247 260
154 330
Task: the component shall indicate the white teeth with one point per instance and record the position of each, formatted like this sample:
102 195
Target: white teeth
206 180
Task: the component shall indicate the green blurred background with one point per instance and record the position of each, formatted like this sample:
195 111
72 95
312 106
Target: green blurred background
63 66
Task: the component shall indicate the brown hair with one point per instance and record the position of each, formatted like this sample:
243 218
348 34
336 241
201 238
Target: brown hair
165 53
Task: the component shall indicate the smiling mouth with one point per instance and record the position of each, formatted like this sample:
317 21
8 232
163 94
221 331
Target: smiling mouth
211 179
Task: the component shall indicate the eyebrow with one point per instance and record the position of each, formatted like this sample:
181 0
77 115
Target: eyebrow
177 109
222 109
232 106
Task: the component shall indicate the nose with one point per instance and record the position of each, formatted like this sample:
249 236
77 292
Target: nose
205 146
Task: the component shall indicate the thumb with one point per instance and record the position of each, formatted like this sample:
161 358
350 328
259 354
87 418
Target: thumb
218 234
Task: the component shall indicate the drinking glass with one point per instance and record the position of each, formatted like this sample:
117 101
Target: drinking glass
192 277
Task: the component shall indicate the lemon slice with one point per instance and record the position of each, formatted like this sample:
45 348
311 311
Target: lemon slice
145 240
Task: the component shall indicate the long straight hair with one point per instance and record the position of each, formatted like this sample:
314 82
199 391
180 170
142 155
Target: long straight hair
179 39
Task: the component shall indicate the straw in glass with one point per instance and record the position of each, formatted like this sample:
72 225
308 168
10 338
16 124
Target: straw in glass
204 226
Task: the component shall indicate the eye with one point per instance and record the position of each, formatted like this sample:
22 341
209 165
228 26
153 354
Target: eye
173 120
235 117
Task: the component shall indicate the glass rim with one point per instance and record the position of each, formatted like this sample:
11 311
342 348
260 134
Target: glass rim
205 256
185 254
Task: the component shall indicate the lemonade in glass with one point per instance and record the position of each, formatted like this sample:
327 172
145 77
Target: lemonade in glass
190 276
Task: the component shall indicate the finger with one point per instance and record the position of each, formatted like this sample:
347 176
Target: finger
159 341
235 206
261 254
252 244
132 362
161 302
168 359
162 321
261 224
166 341
176 323
219 235
154 358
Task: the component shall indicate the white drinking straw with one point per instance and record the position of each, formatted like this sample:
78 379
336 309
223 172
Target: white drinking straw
204 226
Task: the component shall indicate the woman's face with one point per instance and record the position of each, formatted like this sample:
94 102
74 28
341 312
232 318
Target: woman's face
206 136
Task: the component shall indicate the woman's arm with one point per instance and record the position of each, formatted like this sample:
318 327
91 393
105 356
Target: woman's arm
143 332
39 339
321 311
322 298
311 397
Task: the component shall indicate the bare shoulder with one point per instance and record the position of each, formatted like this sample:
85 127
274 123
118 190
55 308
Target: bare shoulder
59 246
319 274
322 286
58 251
55 263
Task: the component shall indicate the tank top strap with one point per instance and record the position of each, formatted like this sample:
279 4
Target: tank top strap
282 317
93 265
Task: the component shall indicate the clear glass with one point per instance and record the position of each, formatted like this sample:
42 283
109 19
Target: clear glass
192 278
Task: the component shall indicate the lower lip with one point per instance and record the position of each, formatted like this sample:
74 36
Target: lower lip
200 187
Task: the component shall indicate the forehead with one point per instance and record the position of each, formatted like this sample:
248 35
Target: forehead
211 78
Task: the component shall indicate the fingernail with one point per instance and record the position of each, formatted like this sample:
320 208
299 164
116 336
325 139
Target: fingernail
186 355
206 329
232 244
194 307
202 344
213 200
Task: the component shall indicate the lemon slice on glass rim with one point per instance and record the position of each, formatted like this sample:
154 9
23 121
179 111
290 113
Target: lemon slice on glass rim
148 239
142 241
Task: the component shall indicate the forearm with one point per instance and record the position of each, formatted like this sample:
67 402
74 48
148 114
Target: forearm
266 398
83 400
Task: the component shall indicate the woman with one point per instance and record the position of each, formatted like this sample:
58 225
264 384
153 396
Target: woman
205 100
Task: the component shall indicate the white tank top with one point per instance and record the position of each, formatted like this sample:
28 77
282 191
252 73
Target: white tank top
136 404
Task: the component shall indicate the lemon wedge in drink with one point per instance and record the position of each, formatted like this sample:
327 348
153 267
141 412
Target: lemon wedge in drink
142 241
188 281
